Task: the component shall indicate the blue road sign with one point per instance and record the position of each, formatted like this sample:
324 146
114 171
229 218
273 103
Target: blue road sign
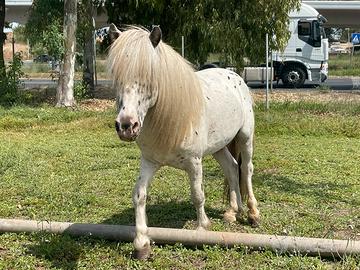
355 38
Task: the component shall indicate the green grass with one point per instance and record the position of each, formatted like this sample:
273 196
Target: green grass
64 165
31 68
341 65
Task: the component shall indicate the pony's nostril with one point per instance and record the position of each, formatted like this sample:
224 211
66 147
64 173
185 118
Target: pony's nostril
136 125
117 126
125 126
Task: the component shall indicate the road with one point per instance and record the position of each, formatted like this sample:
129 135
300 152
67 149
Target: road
338 84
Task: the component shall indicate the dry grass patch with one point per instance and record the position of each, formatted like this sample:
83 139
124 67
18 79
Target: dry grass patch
99 105
308 96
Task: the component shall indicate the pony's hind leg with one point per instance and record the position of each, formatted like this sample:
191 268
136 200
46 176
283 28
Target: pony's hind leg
231 172
194 170
247 167
142 241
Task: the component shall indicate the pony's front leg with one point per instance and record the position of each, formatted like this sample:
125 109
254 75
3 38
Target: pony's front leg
194 170
142 241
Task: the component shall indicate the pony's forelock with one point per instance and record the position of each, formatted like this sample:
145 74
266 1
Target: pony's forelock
132 58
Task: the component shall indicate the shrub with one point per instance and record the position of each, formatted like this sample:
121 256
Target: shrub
80 91
10 81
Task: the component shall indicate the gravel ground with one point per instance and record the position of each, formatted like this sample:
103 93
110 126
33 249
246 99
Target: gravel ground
318 96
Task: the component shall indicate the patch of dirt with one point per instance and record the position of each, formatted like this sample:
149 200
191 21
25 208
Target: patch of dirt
270 171
3 251
324 97
346 234
104 99
23 48
105 92
95 104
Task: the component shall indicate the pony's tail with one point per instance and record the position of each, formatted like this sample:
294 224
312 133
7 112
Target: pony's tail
234 150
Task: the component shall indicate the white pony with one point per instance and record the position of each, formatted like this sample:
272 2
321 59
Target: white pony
177 116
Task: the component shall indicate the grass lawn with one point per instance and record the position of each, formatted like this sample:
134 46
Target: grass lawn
69 165
344 65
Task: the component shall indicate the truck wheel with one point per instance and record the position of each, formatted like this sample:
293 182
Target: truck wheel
293 76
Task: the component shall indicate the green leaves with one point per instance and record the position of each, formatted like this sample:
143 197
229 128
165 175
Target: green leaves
44 15
234 29
53 40
10 82
45 24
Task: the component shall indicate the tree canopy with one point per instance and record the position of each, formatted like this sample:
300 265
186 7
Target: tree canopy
232 28
44 30
45 24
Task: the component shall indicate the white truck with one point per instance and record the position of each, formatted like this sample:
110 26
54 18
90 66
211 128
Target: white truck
305 56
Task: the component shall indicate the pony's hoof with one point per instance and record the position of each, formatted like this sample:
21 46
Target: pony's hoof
204 226
143 253
254 217
254 221
200 229
229 217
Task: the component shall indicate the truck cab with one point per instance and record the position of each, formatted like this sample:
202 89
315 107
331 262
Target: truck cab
307 53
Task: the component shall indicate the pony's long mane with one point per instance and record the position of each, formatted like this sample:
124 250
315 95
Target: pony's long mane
132 58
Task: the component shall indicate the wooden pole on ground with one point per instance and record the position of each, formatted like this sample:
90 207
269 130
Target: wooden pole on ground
279 244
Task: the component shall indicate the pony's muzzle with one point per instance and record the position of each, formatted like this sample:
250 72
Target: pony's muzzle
127 130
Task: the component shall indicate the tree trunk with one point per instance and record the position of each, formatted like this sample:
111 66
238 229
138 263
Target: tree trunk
89 55
2 39
65 88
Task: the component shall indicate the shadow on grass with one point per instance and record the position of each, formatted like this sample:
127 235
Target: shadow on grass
167 215
64 251
319 191
48 94
36 97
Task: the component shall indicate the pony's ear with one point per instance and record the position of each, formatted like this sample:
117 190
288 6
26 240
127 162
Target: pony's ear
155 35
114 32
